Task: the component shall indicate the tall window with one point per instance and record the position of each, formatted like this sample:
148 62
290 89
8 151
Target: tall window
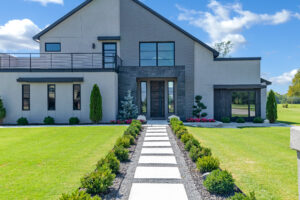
157 54
52 47
109 55
25 97
171 100
243 104
76 97
51 97
143 97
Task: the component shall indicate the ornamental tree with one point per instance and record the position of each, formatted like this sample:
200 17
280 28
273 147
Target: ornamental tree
199 107
271 107
95 105
128 109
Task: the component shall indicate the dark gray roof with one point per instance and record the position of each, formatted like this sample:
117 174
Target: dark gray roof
242 86
37 37
50 79
237 59
103 38
262 80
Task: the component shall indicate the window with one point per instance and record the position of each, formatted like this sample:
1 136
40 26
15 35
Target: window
25 97
157 54
51 97
171 100
52 47
143 97
109 55
76 97
243 104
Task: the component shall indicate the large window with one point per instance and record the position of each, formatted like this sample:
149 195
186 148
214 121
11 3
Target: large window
157 54
76 97
143 97
109 55
243 104
171 100
52 47
51 97
25 97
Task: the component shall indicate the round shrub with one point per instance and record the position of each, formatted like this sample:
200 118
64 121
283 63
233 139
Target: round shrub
79 195
207 164
22 121
225 119
132 130
137 123
192 142
123 141
258 120
181 131
240 120
98 181
219 182
121 153
49 120
195 153
186 137
74 120
205 152
131 139
112 161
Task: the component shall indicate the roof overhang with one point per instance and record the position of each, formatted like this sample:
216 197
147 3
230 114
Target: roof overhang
105 38
242 86
262 80
238 59
50 79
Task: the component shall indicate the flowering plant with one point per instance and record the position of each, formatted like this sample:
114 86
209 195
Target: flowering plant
200 120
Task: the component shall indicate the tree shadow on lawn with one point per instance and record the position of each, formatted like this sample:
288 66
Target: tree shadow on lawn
290 123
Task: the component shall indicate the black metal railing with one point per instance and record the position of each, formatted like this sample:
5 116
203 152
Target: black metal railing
32 61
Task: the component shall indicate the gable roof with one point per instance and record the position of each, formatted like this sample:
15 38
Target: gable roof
37 36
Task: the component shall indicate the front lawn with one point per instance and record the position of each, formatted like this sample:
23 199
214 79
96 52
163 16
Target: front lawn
259 158
290 115
42 163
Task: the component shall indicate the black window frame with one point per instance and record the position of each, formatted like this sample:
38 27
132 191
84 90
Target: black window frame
156 43
173 97
249 117
48 97
52 43
74 108
103 54
23 98
141 100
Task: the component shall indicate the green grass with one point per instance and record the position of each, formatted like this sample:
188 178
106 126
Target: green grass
42 163
290 115
259 158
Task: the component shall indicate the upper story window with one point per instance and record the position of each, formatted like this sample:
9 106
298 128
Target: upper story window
157 54
52 47
109 55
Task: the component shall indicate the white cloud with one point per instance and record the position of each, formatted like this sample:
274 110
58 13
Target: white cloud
297 15
17 35
227 22
45 2
284 78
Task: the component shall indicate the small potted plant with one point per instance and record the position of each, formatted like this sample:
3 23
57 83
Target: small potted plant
2 111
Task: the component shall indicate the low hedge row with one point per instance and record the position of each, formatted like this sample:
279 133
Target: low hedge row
47 121
218 181
98 182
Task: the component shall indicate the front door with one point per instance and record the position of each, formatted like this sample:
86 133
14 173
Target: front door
157 99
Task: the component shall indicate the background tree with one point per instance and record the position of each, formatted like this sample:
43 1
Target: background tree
95 105
199 107
129 109
2 111
224 48
271 107
294 89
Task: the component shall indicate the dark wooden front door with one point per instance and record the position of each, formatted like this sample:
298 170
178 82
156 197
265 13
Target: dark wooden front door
157 99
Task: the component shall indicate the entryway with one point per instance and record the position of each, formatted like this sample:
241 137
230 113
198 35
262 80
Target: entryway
157 99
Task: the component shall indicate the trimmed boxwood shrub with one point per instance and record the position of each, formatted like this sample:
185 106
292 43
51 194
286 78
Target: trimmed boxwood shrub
195 153
112 161
98 181
258 120
189 144
131 139
182 130
132 130
240 120
186 137
49 120
137 123
79 195
74 120
207 164
22 121
225 119
205 152
219 182
121 153
123 141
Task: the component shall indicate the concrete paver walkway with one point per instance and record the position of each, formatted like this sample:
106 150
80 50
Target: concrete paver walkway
158 170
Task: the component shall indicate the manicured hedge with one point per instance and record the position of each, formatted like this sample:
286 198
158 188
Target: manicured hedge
98 182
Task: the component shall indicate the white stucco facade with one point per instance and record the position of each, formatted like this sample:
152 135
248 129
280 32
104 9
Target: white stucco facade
11 93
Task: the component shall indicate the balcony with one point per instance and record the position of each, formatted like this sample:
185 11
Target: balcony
73 62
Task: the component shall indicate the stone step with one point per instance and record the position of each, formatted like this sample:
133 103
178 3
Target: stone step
157 151
157 173
157 160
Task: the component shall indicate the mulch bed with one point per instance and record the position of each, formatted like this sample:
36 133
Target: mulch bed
197 176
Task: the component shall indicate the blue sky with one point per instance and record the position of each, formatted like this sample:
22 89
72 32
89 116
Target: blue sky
269 28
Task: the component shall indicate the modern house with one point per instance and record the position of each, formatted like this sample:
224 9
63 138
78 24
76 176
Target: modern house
124 45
